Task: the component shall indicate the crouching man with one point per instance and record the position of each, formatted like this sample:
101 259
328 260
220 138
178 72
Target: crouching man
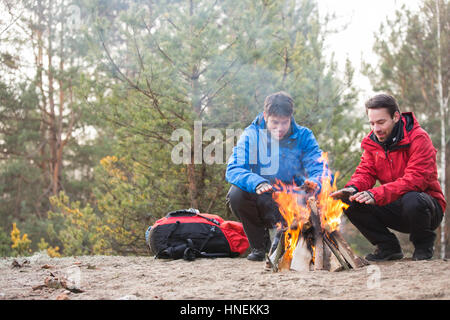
400 155
273 147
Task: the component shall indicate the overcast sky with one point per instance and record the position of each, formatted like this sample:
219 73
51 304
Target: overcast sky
363 18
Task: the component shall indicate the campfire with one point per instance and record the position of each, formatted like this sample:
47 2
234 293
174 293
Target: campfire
310 238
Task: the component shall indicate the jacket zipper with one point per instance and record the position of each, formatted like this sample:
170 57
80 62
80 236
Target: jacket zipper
389 161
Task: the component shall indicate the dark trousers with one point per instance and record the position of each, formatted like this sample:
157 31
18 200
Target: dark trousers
257 213
415 213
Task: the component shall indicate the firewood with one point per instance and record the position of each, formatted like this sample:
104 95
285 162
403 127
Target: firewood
336 252
331 263
318 253
326 257
318 234
301 257
306 226
284 263
294 225
331 251
346 251
277 251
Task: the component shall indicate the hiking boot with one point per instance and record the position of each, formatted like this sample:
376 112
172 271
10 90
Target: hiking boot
256 255
425 253
385 255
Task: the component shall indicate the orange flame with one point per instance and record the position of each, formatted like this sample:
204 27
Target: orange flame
330 209
296 214
293 213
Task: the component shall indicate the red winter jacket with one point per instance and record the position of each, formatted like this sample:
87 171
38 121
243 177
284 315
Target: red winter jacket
409 165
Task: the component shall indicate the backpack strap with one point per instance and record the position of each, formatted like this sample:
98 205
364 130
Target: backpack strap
209 219
212 230
167 250
191 212
210 255
191 253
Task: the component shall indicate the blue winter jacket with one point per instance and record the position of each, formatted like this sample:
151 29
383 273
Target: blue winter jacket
257 158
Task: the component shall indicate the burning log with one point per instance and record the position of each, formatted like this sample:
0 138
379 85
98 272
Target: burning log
346 251
330 262
276 252
302 257
311 227
336 253
320 246
318 234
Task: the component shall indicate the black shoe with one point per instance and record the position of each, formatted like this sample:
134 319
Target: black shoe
425 253
385 255
256 255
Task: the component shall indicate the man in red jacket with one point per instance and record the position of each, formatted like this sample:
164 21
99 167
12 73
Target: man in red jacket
400 155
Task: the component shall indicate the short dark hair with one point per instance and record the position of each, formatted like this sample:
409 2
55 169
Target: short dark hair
279 104
383 101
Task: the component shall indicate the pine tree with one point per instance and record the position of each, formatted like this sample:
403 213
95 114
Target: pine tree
42 111
200 68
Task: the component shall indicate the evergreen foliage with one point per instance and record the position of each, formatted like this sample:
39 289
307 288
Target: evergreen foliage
126 76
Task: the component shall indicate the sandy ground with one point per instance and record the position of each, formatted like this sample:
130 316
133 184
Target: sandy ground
144 278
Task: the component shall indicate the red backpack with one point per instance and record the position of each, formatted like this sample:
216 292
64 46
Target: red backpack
188 234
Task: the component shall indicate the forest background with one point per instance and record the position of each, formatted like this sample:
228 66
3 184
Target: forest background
91 93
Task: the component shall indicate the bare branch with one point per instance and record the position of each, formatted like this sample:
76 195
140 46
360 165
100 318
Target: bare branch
148 94
226 83
173 24
207 21
12 22
147 133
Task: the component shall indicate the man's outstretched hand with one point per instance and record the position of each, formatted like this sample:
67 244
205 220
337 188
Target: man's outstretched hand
263 188
363 197
344 194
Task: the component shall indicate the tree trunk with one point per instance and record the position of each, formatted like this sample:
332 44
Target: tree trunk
192 184
318 234
53 125
40 83
442 110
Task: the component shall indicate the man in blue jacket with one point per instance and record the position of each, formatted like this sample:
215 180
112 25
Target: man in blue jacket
274 147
